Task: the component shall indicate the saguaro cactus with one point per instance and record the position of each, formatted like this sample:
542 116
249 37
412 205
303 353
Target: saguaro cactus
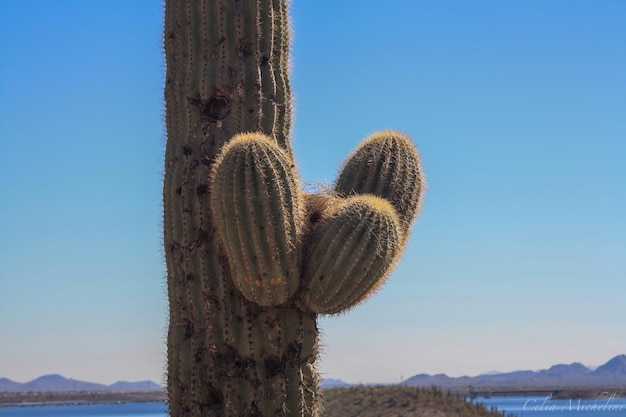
252 259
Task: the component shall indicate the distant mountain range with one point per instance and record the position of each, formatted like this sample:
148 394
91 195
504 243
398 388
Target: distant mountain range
56 382
333 383
611 373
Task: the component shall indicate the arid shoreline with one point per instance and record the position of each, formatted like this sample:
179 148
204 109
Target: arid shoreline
34 399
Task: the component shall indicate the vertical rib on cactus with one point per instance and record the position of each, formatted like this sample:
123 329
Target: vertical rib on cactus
227 72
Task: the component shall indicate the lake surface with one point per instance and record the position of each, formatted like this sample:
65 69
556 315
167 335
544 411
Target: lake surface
94 410
607 406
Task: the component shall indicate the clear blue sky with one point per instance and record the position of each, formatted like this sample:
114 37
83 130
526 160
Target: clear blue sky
518 260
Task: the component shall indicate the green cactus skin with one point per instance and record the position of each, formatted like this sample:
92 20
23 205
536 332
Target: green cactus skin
349 253
227 72
234 350
259 213
386 164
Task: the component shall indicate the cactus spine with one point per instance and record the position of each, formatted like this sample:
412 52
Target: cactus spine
250 259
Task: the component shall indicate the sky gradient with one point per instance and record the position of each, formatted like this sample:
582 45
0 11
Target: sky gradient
518 260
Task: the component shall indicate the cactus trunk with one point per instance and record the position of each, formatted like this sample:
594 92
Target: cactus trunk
227 72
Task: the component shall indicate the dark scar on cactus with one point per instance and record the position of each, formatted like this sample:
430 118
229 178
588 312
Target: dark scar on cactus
202 189
215 109
215 399
188 328
273 367
315 217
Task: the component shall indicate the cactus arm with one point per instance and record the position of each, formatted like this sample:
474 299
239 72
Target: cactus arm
258 211
350 253
386 164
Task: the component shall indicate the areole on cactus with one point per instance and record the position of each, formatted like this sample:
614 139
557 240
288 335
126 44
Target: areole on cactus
252 259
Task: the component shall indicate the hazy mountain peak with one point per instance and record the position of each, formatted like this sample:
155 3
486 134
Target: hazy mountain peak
611 373
57 382
333 383
490 373
576 368
51 377
616 365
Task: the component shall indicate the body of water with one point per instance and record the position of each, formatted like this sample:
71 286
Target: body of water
606 406
93 410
